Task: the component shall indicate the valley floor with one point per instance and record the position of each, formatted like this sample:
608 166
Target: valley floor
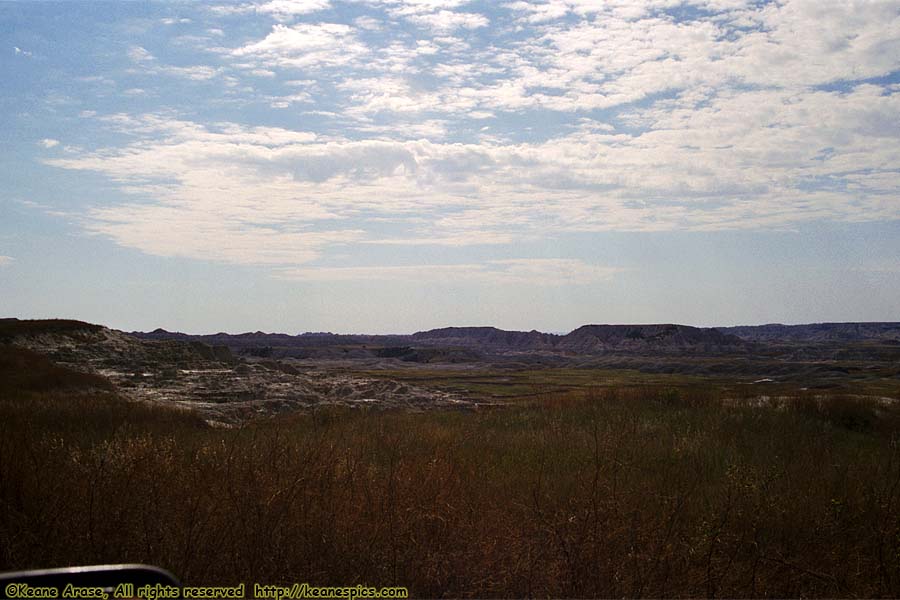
619 477
604 490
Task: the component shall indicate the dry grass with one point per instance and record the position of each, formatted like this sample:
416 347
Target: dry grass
24 370
604 493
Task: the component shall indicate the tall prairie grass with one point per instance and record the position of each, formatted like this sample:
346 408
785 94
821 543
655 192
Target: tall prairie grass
634 492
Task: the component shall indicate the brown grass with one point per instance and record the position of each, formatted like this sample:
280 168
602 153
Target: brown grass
605 493
24 370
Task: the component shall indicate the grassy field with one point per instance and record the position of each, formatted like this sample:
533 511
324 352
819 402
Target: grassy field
512 385
598 490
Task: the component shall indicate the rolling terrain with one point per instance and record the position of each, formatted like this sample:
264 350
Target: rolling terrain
861 357
638 461
232 377
225 464
207 379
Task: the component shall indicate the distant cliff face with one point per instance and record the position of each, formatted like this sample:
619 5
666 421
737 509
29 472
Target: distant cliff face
817 332
586 340
591 339
97 347
488 336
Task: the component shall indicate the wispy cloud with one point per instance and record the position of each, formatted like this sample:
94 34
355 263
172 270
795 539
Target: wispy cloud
306 45
539 12
279 9
555 117
140 54
545 143
708 172
541 272
445 21
149 65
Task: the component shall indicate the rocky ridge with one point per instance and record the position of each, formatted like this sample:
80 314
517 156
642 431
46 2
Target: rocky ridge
209 379
474 344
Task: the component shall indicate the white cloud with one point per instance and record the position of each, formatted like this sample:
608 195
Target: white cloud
372 95
49 143
289 8
200 233
541 12
6 260
440 16
289 100
149 65
140 54
368 23
628 51
445 21
699 169
742 116
281 10
306 45
194 72
414 7
416 129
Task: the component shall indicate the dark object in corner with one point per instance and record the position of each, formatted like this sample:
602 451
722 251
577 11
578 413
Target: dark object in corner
107 577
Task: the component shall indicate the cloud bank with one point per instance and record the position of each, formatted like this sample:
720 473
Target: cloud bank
433 123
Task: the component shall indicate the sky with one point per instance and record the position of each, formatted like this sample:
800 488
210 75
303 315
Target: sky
388 166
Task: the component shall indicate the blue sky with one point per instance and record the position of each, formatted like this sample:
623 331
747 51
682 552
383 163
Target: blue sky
396 165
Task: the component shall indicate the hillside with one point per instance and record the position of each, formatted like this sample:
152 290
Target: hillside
488 336
189 373
11 328
817 332
593 339
586 340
